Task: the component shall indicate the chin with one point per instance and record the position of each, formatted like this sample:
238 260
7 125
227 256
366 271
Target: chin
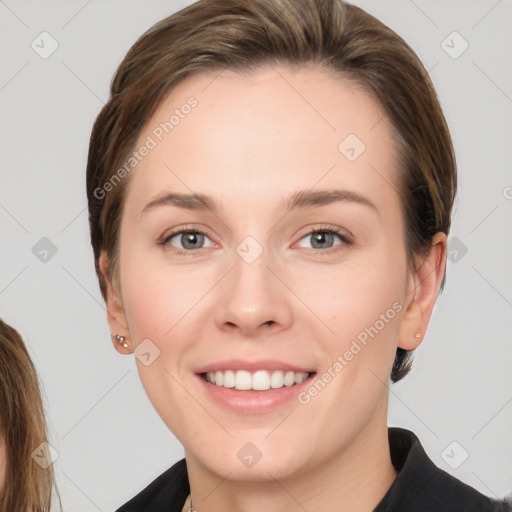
247 463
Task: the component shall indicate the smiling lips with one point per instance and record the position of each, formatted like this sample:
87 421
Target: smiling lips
254 387
261 380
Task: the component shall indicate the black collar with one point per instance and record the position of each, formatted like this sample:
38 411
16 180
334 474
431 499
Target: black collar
423 487
419 487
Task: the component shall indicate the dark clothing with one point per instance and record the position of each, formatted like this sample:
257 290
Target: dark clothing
419 487
423 487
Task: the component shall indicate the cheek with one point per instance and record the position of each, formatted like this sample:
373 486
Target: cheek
159 307
364 314
362 305
148 305
157 295
354 296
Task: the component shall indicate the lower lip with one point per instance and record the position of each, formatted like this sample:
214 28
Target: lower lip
254 401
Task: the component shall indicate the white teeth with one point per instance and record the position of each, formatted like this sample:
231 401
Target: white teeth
276 379
243 380
262 380
229 379
289 379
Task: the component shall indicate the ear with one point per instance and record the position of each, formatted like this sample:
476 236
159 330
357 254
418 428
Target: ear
423 287
115 311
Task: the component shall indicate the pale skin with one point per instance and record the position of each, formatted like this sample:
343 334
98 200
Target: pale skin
251 143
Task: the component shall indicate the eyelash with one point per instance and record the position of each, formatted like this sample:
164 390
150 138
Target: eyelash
346 240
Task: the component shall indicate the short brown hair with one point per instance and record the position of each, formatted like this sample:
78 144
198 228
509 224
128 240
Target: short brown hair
27 485
244 35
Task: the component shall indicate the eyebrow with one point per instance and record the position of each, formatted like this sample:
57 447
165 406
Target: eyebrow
299 200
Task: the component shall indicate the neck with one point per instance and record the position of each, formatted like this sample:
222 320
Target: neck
356 479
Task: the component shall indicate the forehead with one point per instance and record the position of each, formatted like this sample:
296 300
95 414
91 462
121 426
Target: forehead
255 134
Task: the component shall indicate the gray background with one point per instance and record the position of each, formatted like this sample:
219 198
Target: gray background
110 442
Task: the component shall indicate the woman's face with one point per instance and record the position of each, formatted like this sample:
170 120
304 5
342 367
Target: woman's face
264 286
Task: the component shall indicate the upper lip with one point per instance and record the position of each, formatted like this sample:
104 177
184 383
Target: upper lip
252 366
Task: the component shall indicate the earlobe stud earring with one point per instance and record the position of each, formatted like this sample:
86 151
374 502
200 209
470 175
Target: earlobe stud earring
418 335
120 339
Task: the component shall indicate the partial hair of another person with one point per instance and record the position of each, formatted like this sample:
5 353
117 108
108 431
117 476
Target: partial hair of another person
27 485
245 35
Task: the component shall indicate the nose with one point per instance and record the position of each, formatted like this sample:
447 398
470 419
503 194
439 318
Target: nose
253 300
